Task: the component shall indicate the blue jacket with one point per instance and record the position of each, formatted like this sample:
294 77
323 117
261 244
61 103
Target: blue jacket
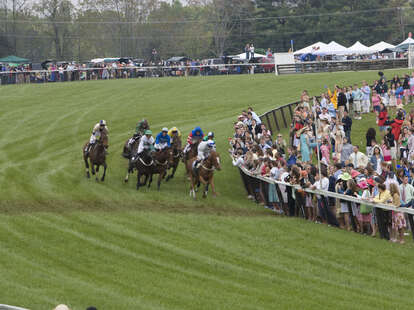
194 133
163 139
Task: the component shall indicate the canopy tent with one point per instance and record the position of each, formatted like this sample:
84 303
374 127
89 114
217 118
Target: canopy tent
358 48
311 48
332 48
380 46
14 59
405 44
242 56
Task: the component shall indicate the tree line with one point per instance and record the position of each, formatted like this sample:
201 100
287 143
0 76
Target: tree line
85 29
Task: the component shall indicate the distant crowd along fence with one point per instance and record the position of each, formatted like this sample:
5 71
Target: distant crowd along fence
103 73
100 73
257 186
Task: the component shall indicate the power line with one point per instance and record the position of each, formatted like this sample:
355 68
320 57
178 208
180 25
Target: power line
205 21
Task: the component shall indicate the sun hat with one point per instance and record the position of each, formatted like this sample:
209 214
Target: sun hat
345 176
355 173
370 181
363 184
148 132
61 307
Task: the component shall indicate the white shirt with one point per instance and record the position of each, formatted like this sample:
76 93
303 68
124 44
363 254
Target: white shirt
322 185
256 118
238 162
145 143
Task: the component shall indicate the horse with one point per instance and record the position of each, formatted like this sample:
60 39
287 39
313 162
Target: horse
158 164
97 156
129 150
177 154
205 174
190 155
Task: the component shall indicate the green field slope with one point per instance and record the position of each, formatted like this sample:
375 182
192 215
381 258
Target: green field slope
67 239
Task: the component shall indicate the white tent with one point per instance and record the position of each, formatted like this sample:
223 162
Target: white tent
407 42
242 56
380 46
311 48
358 48
332 48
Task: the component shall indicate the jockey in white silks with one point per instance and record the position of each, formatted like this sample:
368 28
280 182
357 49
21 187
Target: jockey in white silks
203 151
96 134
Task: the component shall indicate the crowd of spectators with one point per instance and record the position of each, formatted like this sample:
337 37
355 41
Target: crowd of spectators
324 126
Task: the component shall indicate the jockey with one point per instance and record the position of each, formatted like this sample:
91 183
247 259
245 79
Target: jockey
210 136
195 135
174 132
163 140
145 145
96 134
204 149
141 127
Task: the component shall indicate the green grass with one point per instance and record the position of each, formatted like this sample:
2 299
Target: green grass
66 239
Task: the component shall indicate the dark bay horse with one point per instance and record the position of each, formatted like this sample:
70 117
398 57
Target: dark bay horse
205 174
129 150
177 154
96 156
190 156
158 164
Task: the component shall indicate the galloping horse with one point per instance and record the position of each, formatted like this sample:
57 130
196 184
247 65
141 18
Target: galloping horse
158 164
97 156
177 154
128 152
190 156
205 174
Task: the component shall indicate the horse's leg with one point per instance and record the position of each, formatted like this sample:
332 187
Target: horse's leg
87 167
128 172
97 173
138 179
205 184
104 173
213 188
160 177
93 168
150 180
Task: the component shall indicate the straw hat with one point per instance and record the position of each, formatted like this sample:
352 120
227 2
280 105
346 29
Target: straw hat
61 307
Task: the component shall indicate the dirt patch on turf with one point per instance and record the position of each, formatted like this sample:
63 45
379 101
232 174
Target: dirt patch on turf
54 206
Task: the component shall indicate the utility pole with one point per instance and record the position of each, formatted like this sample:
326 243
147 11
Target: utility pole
402 26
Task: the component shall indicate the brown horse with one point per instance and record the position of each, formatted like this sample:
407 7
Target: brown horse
190 155
205 174
177 154
158 164
96 156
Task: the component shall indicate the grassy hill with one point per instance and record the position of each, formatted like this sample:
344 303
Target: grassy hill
67 239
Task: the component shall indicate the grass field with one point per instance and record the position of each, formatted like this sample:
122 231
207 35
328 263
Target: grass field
66 239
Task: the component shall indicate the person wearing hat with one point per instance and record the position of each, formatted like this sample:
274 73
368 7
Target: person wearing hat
97 131
162 140
174 132
146 145
210 136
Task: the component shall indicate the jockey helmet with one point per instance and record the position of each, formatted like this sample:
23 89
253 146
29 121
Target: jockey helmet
210 134
165 129
211 143
102 123
148 132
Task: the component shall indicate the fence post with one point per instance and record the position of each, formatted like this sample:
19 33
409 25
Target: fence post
283 116
275 118
268 122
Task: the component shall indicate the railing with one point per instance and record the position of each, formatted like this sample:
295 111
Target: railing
347 65
99 73
7 307
258 187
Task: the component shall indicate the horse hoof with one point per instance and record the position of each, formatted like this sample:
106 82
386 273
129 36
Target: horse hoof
102 179
88 176
204 195
96 179
126 181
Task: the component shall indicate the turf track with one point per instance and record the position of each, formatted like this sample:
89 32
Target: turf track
67 239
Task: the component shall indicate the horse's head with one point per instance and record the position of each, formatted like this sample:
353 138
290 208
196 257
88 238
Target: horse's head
215 160
104 139
165 156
